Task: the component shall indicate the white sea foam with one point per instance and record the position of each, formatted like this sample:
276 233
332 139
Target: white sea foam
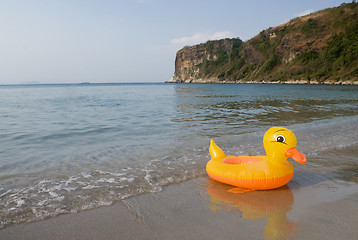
92 189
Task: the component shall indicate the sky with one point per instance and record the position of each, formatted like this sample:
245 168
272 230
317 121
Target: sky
109 41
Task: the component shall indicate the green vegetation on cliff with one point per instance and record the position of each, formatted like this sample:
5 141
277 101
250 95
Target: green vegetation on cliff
320 46
225 63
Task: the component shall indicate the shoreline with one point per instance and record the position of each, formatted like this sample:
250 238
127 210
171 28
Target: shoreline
202 208
320 202
294 82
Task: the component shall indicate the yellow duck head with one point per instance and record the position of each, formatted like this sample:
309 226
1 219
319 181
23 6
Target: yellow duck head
280 143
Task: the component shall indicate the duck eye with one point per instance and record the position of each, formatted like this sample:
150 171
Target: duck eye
280 138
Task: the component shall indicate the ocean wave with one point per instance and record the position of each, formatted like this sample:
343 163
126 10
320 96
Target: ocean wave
87 190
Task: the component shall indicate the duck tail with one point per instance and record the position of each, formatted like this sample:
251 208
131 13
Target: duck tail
215 152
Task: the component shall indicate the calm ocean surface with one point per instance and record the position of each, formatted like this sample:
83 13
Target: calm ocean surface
67 148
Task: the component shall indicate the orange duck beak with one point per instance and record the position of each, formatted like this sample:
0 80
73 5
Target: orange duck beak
296 155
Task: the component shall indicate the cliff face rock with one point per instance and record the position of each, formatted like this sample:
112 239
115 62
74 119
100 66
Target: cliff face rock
189 60
318 48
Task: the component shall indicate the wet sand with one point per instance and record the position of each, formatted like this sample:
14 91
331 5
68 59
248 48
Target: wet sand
203 209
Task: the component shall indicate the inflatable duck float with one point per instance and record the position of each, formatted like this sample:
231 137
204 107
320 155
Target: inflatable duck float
258 172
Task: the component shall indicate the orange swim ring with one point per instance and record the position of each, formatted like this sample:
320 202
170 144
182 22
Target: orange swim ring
258 172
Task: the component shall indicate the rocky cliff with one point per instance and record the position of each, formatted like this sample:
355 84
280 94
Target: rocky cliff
318 48
190 60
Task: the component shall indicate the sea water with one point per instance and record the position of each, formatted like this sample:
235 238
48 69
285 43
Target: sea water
67 148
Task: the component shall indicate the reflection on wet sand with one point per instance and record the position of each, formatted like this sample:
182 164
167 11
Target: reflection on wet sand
255 205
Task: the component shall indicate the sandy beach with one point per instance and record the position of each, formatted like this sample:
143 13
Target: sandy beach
309 207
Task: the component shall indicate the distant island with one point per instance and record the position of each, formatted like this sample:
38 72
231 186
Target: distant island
319 48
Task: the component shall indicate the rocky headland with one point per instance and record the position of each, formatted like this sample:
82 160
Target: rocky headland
319 48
